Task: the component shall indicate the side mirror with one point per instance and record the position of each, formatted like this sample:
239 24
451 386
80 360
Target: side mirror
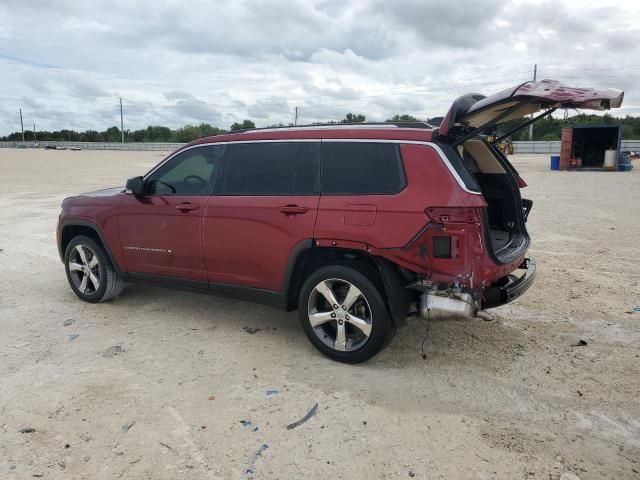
136 185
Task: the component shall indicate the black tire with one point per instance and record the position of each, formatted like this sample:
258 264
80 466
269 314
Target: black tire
382 327
110 284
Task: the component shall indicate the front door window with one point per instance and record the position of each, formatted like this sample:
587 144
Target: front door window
191 172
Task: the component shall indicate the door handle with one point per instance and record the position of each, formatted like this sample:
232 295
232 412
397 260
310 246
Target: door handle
187 207
292 210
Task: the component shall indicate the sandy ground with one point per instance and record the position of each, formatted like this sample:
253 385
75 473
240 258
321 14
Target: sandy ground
156 384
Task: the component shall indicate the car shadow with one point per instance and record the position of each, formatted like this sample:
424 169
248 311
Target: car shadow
203 306
416 344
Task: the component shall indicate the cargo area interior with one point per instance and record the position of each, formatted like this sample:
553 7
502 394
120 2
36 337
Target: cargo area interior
504 211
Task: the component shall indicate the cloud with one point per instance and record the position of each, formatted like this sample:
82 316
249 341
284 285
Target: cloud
83 87
455 23
66 63
191 108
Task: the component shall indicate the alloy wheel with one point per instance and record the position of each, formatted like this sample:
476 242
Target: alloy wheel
84 269
340 314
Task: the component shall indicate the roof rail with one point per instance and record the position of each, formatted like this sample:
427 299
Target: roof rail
319 126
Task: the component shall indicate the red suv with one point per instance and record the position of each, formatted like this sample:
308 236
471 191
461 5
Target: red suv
352 225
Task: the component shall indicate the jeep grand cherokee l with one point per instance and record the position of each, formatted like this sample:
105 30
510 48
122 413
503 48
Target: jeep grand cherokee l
352 225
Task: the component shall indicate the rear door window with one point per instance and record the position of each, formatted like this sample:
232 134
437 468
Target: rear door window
361 168
272 168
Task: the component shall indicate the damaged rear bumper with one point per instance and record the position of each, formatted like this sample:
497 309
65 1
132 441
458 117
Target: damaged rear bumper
510 287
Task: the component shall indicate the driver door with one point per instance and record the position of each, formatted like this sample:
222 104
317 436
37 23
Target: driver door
160 231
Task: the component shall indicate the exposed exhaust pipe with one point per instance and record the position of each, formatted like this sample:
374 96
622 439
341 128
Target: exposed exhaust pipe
437 305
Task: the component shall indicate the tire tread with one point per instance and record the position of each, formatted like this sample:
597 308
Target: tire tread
113 282
383 328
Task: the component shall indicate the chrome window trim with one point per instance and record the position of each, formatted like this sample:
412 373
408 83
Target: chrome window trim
432 145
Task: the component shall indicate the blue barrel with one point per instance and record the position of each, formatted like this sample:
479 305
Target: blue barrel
624 158
555 162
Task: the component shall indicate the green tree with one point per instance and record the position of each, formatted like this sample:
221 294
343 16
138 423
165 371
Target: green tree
551 127
185 134
112 134
353 118
207 130
90 136
403 118
544 129
246 125
157 133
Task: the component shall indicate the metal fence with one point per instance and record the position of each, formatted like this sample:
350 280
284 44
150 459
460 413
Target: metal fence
135 146
519 147
554 147
536 147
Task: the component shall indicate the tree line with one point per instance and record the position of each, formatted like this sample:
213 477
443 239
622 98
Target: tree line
549 128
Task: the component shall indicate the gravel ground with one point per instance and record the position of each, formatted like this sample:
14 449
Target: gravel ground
158 383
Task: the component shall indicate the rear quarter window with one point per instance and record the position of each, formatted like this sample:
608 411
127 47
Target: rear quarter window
361 168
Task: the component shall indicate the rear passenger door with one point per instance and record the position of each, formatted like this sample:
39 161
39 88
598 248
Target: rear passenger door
265 204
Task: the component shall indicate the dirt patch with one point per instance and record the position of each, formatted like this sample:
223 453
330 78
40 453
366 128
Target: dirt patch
516 397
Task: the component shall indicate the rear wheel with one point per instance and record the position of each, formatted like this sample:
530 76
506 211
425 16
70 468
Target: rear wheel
90 272
344 314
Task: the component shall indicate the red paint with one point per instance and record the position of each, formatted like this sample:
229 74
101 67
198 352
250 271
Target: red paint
360 215
398 217
160 237
532 97
248 240
252 241
520 182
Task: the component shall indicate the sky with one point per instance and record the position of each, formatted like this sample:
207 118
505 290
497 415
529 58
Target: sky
66 63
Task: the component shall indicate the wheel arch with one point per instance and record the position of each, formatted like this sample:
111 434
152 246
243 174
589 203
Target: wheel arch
384 274
70 229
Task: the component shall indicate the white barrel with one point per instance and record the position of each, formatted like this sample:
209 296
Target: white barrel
610 158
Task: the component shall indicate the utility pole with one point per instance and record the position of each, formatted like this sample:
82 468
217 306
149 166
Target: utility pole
121 121
35 137
21 126
535 74
295 120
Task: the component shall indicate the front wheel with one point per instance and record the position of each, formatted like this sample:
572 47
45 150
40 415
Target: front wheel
344 315
90 272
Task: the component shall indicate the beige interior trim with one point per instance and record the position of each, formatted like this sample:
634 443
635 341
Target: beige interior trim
484 160
485 116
